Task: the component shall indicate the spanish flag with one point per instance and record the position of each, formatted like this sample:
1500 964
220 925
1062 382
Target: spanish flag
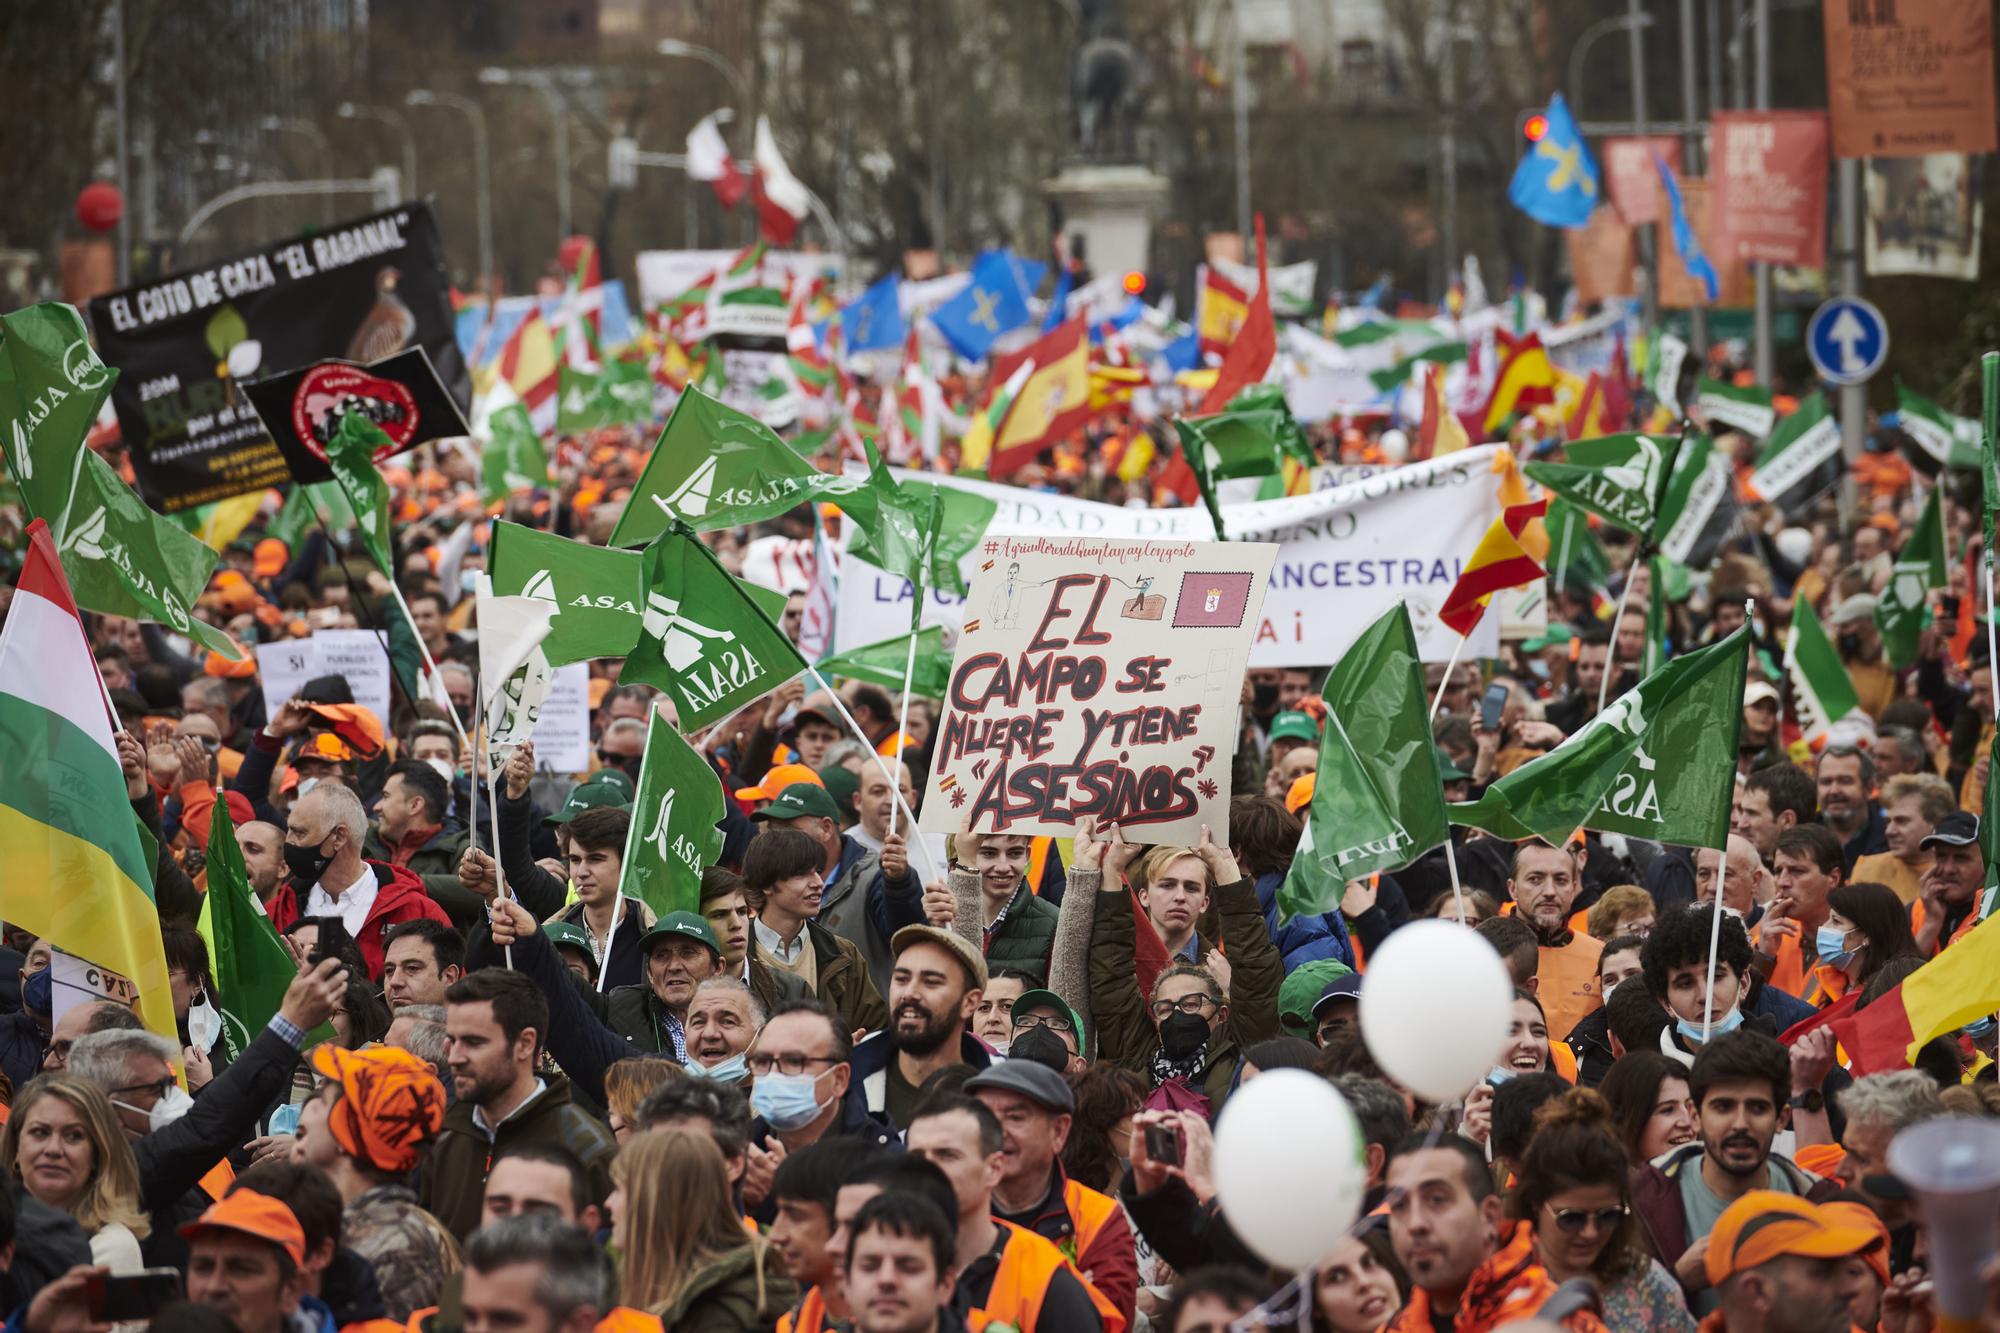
1220 309
1256 342
1053 401
1499 562
1589 420
1526 378
975 451
1958 986
79 873
1439 431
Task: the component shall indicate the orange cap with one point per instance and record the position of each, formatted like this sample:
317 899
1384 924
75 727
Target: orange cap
268 558
1301 794
1822 1159
776 780
325 745
244 668
1764 1225
249 1213
1848 1213
391 1103
353 723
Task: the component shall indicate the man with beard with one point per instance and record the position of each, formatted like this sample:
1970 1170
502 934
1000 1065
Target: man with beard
1950 901
1544 886
1741 1085
1775 1261
934 986
1845 776
495 1021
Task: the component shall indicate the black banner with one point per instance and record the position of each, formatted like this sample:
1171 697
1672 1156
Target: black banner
360 291
401 394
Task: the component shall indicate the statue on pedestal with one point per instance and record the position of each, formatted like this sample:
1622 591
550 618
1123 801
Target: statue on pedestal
1102 70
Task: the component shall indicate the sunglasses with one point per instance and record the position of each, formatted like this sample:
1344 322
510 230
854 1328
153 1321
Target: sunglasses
1574 1220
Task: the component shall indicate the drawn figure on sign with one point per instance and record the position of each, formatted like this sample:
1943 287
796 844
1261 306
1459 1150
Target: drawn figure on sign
1145 604
1007 599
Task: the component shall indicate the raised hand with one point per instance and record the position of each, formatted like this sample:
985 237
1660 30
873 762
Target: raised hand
1220 862
520 770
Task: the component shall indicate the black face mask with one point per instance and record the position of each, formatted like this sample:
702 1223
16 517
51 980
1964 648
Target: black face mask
1181 1035
1042 1046
1263 697
307 863
1850 645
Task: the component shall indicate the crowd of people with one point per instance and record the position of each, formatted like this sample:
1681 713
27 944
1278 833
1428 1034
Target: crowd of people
889 1082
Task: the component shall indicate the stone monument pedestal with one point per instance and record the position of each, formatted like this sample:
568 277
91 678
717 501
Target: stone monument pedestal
1110 206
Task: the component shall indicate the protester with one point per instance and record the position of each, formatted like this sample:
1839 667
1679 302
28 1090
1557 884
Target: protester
1651 1110
63 1144
246 1258
1773 1259
324 832
783 886
1360 1285
1544 885
933 989
899 1266
420 961
1913 804
535 1274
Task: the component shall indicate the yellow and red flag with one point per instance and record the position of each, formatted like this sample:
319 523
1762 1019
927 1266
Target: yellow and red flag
1591 417
1053 401
1219 311
1256 342
1439 431
1499 562
1526 378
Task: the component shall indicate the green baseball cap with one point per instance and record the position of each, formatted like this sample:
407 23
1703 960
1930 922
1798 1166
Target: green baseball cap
1295 726
692 925
590 795
1448 770
799 801
1048 999
1555 636
841 784
1300 991
573 935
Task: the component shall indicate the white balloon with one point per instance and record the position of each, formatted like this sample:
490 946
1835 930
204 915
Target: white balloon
1435 1008
1290 1166
1395 446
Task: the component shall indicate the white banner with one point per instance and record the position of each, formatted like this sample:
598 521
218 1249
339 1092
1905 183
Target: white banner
1345 556
357 654
665 274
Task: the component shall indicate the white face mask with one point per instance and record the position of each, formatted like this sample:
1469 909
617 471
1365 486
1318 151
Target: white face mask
204 1025
174 1104
444 769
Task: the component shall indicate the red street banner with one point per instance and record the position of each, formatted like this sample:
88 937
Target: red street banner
1633 181
1770 186
1912 78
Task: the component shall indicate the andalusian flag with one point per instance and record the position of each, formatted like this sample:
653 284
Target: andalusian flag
1801 461
1526 378
882 663
77 866
1746 408
1499 562
1821 692
251 965
1920 566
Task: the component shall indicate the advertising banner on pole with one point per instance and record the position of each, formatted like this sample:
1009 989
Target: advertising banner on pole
1770 186
1912 78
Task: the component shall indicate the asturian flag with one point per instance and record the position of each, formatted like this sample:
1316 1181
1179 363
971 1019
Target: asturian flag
1557 183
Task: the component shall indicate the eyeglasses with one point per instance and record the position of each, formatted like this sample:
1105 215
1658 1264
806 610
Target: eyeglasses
1049 1021
791 1062
159 1088
1188 1004
1333 1025
1574 1220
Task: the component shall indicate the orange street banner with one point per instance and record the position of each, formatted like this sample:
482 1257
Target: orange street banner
1602 256
1911 78
1770 187
1631 179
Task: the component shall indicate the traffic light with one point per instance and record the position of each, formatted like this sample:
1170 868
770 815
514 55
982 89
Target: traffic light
1135 283
1535 127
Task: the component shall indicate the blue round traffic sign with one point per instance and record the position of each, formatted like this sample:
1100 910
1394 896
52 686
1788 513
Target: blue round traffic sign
1847 340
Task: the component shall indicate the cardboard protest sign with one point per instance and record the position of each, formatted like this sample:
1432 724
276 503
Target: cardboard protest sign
360 290
1098 679
401 394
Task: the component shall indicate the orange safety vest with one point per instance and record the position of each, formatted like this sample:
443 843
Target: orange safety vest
1562 1061
624 1319
218 1180
893 746
1022 1280
1088 1212
811 1316
1038 861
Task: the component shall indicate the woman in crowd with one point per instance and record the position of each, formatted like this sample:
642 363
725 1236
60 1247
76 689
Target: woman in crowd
1573 1192
687 1256
1527 1048
1359 1287
1866 926
627 1085
1100 1136
1651 1111
64 1145
1479 906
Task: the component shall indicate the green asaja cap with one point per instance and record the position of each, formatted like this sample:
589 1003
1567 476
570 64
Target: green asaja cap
597 792
1048 999
1295 726
573 935
692 925
800 800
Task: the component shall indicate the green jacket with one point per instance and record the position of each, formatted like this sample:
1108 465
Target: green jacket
743 1291
454 1182
844 985
1026 935
1125 1029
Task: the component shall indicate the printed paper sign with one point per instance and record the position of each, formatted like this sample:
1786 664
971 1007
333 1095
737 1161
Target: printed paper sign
357 654
1098 679
562 729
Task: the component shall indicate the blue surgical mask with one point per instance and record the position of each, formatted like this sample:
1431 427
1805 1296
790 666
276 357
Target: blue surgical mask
785 1101
1830 943
1724 1023
1981 1029
732 1070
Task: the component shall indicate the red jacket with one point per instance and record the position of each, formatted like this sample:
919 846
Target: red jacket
399 898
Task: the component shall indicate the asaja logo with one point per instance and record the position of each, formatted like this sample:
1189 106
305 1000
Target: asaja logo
82 368
1633 795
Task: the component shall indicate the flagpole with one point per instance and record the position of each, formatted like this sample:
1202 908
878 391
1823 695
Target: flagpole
492 801
1714 943
1444 682
910 671
430 667
1611 654
1451 862
895 787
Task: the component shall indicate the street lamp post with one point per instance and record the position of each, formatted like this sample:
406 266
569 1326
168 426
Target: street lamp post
673 46
558 116
306 129
481 167
382 115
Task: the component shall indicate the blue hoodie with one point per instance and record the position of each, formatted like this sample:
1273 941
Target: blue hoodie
1303 939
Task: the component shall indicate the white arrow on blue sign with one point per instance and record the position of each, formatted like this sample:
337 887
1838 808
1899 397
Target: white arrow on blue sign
1847 340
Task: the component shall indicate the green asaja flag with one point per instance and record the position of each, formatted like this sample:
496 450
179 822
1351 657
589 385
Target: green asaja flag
673 837
303 506
1659 762
1699 513
1231 444
1378 800
962 520
1576 557
1802 458
598 591
351 455
250 964
1620 478
715 467
1745 407
512 459
882 663
1951 439
621 394
120 557
1292 441
702 637
1904 605
1822 692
